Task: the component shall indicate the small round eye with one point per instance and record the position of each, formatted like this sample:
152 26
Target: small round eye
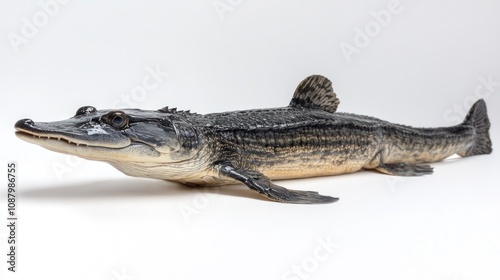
85 110
116 119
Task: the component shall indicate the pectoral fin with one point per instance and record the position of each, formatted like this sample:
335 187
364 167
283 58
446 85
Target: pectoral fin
256 181
405 169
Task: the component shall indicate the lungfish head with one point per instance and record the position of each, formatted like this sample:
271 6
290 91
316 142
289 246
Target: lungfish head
128 135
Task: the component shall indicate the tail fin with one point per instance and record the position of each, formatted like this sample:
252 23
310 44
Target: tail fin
478 119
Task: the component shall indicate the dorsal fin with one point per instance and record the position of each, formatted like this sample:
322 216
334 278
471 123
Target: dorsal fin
315 92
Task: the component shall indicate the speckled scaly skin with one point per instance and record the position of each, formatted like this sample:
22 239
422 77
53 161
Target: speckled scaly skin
305 139
277 143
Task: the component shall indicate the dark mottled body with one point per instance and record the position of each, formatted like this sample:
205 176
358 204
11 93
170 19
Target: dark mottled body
288 142
307 138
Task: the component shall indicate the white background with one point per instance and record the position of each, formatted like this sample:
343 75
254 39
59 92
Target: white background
85 220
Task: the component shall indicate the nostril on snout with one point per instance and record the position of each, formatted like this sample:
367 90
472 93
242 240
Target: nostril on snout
24 122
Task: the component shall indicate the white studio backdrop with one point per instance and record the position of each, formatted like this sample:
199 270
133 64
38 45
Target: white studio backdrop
420 63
